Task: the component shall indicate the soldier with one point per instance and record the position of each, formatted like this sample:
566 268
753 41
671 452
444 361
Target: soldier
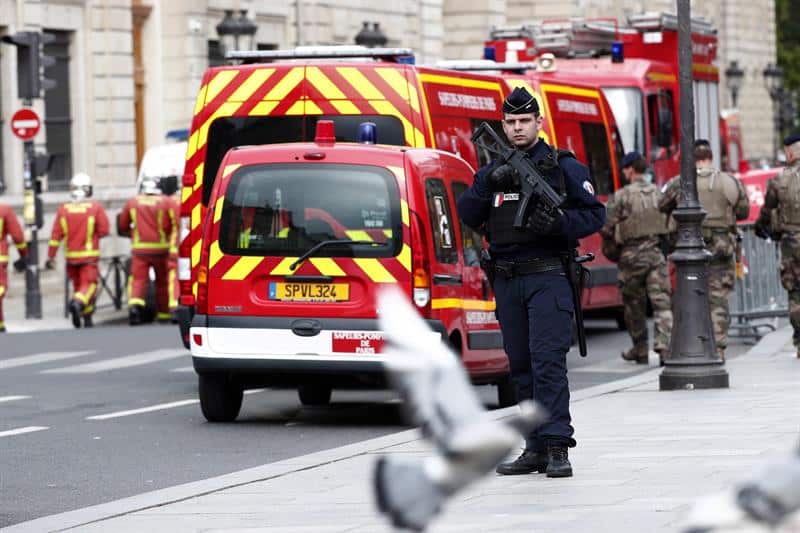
637 226
81 223
783 196
149 220
725 201
9 227
534 299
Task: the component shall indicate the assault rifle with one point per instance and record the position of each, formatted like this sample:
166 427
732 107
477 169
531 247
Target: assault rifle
535 189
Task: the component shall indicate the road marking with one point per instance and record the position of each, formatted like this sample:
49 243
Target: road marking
46 357
12 398
20 431
159 407
183 369
119 362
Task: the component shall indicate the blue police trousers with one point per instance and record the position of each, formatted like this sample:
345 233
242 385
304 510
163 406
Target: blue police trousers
535 315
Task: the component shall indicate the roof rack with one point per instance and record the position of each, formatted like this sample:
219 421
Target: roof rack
576 37
397 55
485 65
654 21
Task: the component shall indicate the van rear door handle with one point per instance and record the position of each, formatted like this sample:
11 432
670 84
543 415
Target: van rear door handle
446 279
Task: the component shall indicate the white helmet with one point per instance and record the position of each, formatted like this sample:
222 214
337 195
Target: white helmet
80 186
149 185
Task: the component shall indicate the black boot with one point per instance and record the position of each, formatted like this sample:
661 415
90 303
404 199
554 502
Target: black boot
87 321
135 315
75 310
530 461
558 462
638 353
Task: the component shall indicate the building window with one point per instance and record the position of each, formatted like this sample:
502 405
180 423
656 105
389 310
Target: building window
57 115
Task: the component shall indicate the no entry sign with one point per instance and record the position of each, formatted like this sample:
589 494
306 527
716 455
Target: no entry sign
25 123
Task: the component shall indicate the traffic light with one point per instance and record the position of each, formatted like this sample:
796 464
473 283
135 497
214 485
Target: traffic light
30 62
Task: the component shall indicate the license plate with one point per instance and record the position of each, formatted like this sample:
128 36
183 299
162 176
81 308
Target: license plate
309 292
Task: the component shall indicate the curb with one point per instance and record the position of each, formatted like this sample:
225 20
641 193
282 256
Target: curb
159 498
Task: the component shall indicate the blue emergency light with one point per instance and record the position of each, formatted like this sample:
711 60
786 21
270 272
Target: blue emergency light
367 133
617 52
406 60
489 53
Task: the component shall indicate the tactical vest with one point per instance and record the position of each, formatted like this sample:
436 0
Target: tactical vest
718 193
644 219
505 204
788 188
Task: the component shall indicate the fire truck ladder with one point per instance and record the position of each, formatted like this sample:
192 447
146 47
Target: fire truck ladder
576 37
395 55
654 21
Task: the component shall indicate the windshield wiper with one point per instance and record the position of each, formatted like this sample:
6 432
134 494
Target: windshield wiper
317 247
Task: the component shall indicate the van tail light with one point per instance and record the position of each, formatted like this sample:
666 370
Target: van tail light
201 305
420 267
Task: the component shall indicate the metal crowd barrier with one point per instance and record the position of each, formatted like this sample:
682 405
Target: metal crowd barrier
759 299
113 282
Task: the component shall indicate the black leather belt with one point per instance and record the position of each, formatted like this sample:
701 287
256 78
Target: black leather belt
511 269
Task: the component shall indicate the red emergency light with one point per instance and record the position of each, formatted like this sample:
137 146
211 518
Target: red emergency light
326 133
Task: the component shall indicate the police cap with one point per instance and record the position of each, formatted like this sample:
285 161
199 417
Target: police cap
702 142
519 102
630 158
791 139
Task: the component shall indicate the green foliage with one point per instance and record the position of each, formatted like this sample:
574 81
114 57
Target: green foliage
787 20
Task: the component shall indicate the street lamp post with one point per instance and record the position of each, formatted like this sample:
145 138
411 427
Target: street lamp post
734 76
693 361
773 80
236 33
371 38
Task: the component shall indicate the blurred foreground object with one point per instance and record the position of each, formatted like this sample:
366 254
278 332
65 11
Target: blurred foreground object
437 396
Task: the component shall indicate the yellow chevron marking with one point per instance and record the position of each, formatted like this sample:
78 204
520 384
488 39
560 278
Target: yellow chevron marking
312 108
404 212
218 209
198 176
404 257
263 108
375 270
323 84
229 169
345 107
401 86
186 192
564 89
201 99
297 108
214 254
388 233
426 112
225 110
192 145
242 268
398 172
251 85
286 85
196 210
360 83
458 303
412 134
220 81
282 268
327 266
196 249
358 235
460 82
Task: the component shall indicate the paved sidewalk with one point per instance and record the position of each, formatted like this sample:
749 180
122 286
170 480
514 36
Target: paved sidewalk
643 458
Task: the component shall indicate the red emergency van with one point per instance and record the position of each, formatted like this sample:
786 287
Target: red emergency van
299 238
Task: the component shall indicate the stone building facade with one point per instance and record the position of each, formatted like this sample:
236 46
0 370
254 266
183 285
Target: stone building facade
129 69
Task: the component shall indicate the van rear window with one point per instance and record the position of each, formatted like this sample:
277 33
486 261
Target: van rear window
284 210
228 132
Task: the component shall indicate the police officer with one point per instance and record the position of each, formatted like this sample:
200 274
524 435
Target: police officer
781 211
534 301
9 228
725 201
637 226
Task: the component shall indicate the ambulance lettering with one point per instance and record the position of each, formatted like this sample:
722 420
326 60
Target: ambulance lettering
362 342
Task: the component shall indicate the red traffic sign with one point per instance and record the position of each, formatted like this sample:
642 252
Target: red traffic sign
25 123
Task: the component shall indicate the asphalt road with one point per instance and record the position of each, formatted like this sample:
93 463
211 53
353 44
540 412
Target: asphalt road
91 416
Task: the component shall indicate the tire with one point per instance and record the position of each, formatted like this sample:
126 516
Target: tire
314 395
220 398
506 393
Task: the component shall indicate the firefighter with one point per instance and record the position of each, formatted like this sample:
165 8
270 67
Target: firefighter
9 227
779 220
534 298
725 201
172 262
81 223
149 220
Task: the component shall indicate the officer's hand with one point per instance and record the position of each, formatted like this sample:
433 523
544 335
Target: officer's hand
20 264
501 178
50 264
543 222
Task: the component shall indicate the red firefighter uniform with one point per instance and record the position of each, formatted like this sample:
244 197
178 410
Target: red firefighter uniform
81 224
9 227
172 262
150 221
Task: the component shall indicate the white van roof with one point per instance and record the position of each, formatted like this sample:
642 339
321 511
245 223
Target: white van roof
163 160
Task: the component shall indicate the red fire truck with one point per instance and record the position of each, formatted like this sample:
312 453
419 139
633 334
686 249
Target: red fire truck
635 65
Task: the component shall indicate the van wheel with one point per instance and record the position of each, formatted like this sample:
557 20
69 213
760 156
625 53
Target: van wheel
314 394
220 398
506 392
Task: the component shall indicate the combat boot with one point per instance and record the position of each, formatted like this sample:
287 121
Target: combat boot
87 321
135 315
638 354
530 461
558 462
75 310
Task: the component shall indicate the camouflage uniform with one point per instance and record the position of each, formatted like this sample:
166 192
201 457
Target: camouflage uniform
724 199
783 195
637 226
